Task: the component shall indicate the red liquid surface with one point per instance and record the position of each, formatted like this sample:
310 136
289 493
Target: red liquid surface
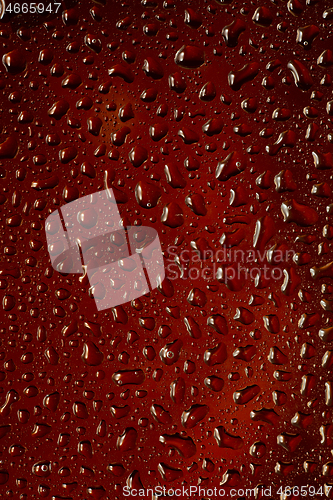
211 122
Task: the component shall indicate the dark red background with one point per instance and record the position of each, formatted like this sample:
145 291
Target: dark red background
40 357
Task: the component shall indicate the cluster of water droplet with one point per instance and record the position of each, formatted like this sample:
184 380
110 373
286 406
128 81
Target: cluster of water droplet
212 123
